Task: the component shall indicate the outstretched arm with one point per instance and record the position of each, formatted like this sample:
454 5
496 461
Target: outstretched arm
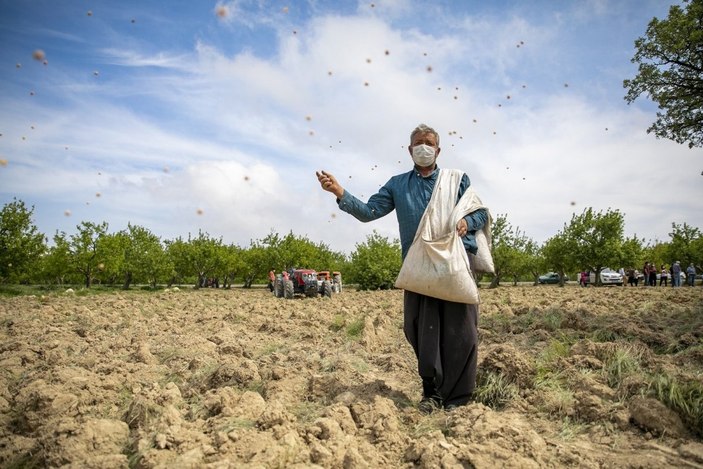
329 183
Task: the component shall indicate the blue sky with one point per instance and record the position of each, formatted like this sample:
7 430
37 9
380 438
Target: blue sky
196 115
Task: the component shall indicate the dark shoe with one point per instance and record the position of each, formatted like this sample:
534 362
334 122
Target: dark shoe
429 404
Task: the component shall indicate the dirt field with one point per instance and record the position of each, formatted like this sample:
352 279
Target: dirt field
596 377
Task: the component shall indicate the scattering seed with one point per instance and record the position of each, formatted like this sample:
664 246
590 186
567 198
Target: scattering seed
38 54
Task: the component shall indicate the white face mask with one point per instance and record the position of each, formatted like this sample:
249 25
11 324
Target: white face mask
424 155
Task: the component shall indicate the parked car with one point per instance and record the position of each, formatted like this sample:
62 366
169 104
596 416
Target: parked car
551 277
607 277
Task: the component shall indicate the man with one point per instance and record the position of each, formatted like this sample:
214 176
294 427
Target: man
690 275
676 274
443 334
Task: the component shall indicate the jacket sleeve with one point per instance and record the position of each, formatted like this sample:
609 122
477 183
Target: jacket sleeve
478 218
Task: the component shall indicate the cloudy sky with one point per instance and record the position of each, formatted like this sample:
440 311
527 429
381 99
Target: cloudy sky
193 115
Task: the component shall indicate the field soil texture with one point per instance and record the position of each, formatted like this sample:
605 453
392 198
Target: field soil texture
212 378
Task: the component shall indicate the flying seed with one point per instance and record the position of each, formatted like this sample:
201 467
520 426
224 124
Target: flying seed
38 54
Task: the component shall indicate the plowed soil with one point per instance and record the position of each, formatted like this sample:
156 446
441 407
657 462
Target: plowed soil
237 378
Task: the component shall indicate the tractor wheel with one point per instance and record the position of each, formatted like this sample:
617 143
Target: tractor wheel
327 289
288 289
278 288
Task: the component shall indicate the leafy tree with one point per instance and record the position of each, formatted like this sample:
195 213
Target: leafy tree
507 250
670 71
83 249
632 252
232 263
291 251
685 240
144 257
56 264
533 260
21 243
375 264
558 254
111 251
598 239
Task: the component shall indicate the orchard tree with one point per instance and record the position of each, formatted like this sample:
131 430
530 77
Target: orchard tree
111 251
670 72
683 243
84 249
144 257
509 251
597 239
21 243
533 260
558 254
232 263
375 264
56 266
204 260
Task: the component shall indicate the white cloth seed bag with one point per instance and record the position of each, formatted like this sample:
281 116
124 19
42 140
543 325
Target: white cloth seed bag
437 264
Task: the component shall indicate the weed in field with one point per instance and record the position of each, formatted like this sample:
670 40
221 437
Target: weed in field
604 335
355 328
555 398
548 360
338 323
307 412
494 390
360 365
684 397
235 424
551 319
623 361
570 429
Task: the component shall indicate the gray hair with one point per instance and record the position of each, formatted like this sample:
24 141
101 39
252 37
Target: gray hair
424 129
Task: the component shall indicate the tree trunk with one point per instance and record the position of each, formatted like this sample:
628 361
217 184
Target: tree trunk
127 280
495 282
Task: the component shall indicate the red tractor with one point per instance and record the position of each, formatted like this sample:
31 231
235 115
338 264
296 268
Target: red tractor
302 282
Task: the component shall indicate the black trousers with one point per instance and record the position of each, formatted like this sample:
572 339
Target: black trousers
444 336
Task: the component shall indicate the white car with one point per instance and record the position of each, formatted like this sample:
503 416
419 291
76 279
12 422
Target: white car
607 277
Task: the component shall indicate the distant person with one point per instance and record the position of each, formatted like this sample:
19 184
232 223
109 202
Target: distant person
583 280
676 276
663 276
645 272
652 275
272 278
691 275
632 279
